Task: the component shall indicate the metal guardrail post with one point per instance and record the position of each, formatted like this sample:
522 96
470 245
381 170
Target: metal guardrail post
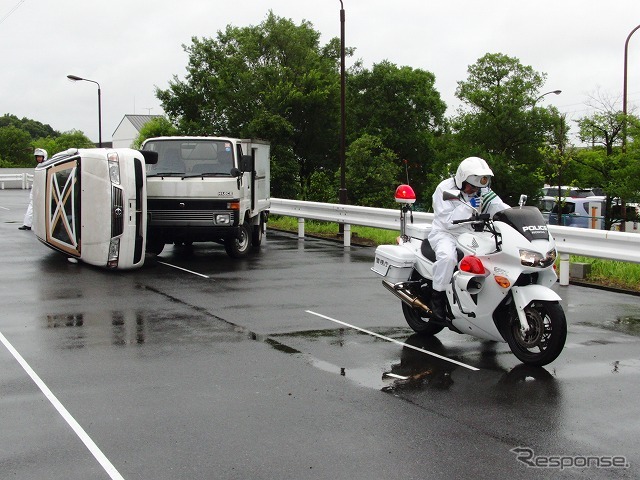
300 227
347 235
564 269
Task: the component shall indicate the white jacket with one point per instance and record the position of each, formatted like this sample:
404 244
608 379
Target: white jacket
446 211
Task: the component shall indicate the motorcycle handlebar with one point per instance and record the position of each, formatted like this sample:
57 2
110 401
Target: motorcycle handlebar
478 217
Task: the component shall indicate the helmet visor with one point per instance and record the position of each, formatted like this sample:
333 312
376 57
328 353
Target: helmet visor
479 180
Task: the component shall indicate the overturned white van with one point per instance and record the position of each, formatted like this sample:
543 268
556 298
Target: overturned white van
90 204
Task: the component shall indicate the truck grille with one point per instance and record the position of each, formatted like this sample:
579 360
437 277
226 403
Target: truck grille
186 217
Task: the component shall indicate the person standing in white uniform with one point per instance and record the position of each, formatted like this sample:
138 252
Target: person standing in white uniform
40 155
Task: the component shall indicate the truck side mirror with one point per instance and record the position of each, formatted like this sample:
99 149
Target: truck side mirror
150 158
235 172
246 163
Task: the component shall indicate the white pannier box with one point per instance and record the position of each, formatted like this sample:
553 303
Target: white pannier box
418 230
393 262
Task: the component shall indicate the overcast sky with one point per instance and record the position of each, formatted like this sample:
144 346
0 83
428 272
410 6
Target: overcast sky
130 47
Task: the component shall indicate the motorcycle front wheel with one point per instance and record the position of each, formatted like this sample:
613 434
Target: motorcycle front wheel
544 340
422 325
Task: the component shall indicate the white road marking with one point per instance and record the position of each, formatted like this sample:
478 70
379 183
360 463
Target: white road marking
394 341
79 431
184 269
394 375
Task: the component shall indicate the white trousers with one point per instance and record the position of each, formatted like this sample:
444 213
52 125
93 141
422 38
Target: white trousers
444 244
28 217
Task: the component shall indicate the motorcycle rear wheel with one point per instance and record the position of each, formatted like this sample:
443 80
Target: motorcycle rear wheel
422 325
546 336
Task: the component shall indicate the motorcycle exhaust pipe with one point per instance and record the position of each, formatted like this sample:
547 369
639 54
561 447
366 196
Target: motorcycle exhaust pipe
410 300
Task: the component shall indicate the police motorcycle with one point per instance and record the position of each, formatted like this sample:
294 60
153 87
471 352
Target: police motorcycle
501 287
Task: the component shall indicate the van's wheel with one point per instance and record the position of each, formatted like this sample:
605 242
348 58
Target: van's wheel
239 245
256 235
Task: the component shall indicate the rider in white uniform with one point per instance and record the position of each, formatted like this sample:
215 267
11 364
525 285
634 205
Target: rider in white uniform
40 154
473 179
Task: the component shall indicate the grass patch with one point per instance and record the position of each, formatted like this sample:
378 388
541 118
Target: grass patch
610 273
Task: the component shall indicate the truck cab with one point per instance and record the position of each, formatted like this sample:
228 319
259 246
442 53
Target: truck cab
208 189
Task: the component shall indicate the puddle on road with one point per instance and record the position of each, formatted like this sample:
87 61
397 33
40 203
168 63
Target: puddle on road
627 324
375 363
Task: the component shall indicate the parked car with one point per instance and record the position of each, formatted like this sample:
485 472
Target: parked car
577 212
573 192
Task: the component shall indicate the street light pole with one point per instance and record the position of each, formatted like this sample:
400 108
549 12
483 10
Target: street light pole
559 202
624 119
624 91
556 92
75 78
343 186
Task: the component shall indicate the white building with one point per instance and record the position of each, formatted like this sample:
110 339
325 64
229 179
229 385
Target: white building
129 128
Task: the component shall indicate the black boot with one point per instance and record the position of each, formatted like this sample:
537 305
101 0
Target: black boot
439 306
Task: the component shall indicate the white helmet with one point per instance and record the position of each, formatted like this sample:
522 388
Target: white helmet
475 171
40 152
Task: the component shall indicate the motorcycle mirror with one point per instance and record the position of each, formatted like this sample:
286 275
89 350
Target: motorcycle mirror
451 195
523 200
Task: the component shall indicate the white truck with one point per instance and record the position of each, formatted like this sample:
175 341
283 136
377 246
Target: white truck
90 204
208 189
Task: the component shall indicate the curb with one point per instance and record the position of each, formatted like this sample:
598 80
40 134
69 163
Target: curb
579 283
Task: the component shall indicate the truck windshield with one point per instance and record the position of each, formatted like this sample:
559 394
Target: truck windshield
191 158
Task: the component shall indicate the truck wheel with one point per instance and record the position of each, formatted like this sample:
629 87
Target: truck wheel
238 246
256 235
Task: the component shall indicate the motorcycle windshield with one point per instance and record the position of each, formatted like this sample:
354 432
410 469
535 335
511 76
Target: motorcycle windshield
526 220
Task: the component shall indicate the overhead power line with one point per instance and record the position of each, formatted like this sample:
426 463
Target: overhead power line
17 5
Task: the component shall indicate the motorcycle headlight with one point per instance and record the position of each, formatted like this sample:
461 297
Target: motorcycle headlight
529 258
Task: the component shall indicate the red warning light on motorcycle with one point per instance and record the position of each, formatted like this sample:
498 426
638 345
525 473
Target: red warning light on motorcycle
405 194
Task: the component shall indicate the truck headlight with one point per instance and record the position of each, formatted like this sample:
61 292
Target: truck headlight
114 253
114 167
223 219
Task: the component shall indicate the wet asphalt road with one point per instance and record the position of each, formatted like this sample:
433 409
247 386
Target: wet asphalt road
227 374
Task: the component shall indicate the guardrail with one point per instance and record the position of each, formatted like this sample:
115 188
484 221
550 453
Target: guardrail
610 245
25 179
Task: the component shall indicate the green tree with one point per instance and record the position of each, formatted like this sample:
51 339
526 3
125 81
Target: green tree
64 141
605 165
402 109
33 127
372 172
604 127
272 81
503 123
156 127
15 147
